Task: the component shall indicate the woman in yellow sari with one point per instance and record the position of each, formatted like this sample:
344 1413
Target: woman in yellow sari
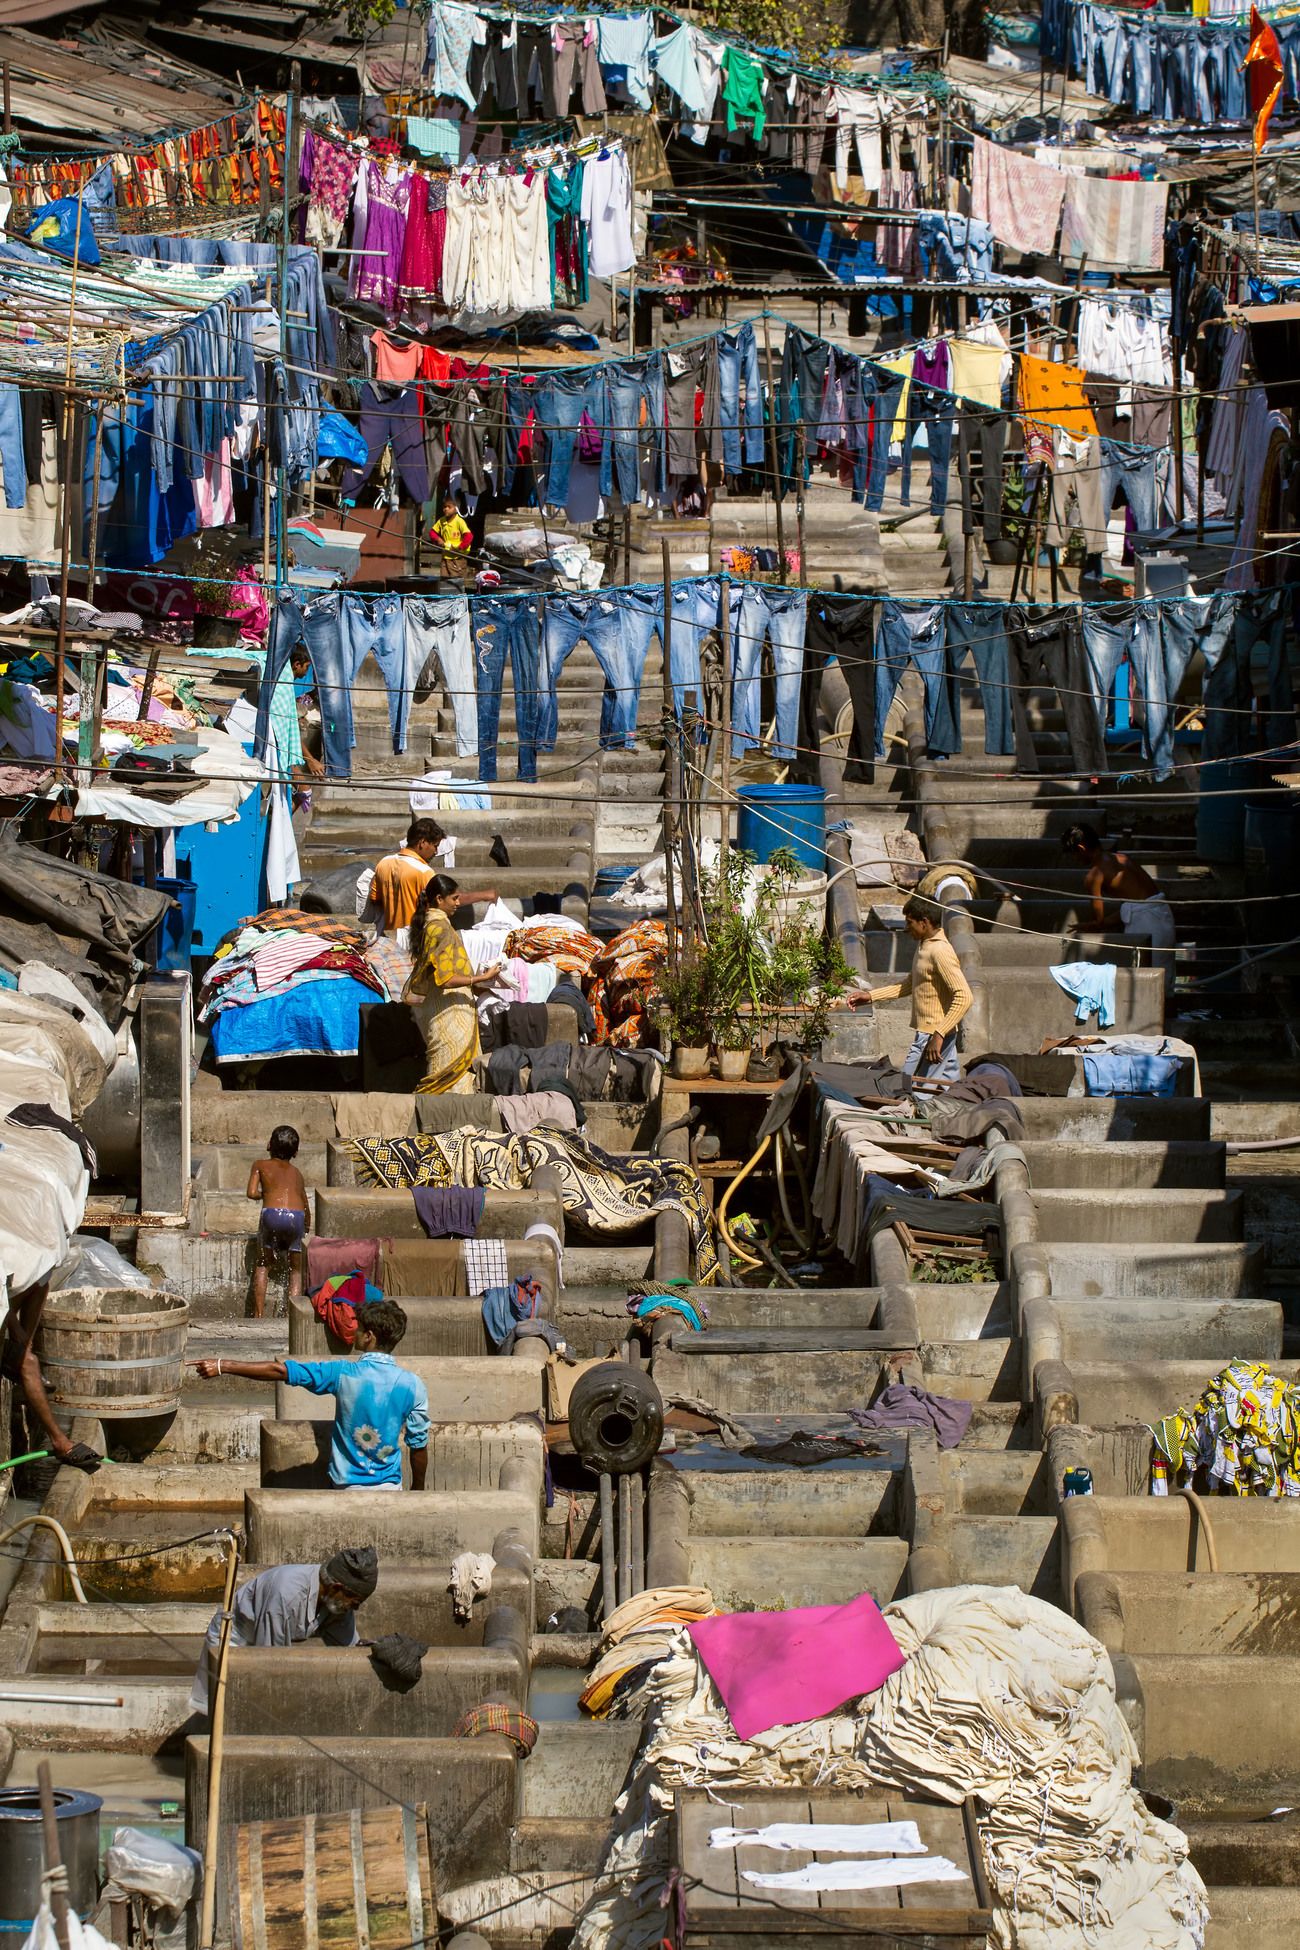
443 975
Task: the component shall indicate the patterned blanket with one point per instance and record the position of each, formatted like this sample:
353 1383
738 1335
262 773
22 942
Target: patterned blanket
606 1194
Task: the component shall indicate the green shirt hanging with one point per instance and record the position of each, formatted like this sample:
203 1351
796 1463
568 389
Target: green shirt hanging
742 91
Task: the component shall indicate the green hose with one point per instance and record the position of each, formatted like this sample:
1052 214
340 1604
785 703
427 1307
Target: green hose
33 1455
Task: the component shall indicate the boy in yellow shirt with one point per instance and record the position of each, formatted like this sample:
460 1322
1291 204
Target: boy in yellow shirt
452 530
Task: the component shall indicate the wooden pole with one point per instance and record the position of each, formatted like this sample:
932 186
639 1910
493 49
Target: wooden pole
216 1749
1179 508
724 832
670 751
9 106
53 1855
101 663
771 447
65 522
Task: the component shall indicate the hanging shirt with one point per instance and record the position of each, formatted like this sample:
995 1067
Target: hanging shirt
1051 396
377 1404
624 46
454 31
743 87
930 364
979 367
676 63
395 364
607 212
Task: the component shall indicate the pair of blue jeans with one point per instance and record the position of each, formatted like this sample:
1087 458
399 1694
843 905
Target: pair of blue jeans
322 627
631 382
696 611
737 367
1132 469
980 628
916 633
606 625
12 456
767 615
375 626
561 400
506 626
1241 625
928 407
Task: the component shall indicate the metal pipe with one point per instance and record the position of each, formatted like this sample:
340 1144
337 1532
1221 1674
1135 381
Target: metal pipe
636 1498
16 1698
624 1539
608 1549
52 1523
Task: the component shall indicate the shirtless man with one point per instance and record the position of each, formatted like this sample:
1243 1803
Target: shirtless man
1114 881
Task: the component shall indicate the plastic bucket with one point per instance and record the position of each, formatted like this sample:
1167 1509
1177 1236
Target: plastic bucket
773 816
176 933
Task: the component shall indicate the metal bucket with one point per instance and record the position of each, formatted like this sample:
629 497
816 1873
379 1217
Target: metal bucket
22 1856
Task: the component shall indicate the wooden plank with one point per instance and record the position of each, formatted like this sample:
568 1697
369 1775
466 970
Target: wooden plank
943 1834
710 1873
756 1812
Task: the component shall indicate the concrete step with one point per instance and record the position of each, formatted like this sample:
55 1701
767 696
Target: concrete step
1125 1167
750 1573
1020 1550
1160 1271
1186 1218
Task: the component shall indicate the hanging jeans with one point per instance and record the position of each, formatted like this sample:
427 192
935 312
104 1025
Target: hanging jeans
984 434
1245 630
803 381
320 625
1134 470
889 390
375 626
927 406
841 629
735 366
696 612
561 399
1114 632
506 626
1082 479
683 372
602 622
12 458
438 626
390 415
631 382
778 617
981 629
1046 648
916 633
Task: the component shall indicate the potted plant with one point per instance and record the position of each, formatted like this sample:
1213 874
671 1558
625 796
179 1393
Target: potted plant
214 629
685 1002
733 1040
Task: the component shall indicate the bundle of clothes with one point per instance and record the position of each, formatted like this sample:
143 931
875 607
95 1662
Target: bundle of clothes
1241 1437
285 983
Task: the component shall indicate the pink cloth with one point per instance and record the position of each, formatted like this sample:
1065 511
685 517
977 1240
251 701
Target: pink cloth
775 1668
1019 198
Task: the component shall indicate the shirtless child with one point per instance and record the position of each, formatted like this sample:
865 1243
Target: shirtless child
277 1181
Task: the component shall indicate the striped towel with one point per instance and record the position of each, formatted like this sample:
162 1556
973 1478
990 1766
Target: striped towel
280 959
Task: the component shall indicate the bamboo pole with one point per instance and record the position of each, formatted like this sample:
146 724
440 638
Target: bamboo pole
216 1737
800 442
58 1882
65 512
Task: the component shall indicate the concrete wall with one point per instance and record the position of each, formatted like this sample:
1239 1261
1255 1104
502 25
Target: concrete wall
305 1526
462 1456
745 1575
335 1691
491 1389
1162 1534
1247 1613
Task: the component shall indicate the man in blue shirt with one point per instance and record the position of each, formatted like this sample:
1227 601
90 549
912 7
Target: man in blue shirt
378 1404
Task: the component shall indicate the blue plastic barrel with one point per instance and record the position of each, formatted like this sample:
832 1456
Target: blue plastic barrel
177 931
610 879
772 816
1269 851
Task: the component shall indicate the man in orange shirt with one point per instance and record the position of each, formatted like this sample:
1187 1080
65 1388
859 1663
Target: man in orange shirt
400 878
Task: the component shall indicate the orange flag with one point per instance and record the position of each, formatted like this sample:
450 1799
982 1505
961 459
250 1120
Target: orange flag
1264 74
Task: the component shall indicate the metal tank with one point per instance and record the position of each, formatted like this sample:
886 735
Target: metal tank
22 1856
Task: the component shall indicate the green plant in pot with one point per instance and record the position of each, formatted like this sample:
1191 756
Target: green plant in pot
213 628
733 1038
685 1004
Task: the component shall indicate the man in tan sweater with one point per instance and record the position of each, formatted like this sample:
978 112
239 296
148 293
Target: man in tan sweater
939 992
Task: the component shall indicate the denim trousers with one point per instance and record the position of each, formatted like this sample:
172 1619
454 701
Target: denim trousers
12 457
1114 632
601 622
803 380
1208 624
1241 626
696 612
981 629
631 382
841 629
946 1070
926 405
778 617
916 633
1046 646
321 626
1134 470
374 626
889 388
737 354
438 626
561 402
506 626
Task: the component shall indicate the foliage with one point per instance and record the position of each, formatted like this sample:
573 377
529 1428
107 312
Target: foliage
761 973
791 24
687 998
362 17
954 1272
211 598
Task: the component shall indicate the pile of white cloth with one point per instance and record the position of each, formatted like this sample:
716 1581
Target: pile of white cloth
1003 1698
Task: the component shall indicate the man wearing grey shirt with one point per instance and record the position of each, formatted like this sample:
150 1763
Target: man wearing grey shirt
292 1603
